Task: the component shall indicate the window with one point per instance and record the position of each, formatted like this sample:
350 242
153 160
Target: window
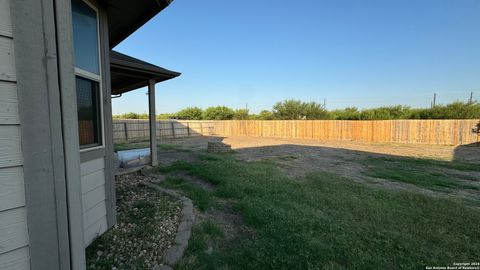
89 122
88 75
85 36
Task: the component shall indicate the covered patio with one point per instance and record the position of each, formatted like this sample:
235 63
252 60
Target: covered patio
128 74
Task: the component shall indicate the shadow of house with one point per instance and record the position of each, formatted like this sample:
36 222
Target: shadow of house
352 160
458 178
469 152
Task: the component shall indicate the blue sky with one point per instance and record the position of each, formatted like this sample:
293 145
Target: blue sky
351 53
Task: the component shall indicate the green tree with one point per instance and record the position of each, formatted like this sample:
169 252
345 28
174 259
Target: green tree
218 113
295 110
455 110
314 111
265 115
376 114
288 110
416 113
132 115
241 114
387 113
399 112
165 116
190 113
349 113
144 116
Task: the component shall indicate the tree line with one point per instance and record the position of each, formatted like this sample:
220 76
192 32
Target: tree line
298 110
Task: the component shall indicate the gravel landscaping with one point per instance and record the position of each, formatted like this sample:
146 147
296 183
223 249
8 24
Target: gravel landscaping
147 221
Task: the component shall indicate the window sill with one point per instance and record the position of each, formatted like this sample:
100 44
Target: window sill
92 153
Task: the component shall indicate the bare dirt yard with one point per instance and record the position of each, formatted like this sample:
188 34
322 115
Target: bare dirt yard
254 147
354 160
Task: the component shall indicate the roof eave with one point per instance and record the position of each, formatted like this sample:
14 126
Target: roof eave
126 16
129 73
134 67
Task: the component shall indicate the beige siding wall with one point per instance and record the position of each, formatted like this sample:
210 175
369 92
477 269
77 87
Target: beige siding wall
13 218
93 199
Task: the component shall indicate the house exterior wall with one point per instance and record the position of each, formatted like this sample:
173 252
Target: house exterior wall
14 240
96 169
63 20
54 199
66 195
93 199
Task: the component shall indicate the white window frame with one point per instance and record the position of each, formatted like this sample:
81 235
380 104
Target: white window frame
96 78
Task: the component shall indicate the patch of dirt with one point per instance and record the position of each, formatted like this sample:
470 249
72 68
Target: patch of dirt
299 160
252 145
167 157
192 143
455 194
298 157
231 224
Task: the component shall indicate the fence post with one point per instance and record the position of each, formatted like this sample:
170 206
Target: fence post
201 128
188 129
126 130
173 128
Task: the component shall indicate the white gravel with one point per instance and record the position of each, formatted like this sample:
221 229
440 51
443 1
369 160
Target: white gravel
147 221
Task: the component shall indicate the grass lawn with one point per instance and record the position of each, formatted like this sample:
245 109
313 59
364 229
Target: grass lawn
432 174
324 221
121 146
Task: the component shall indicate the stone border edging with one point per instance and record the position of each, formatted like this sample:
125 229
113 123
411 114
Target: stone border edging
129 170
184 230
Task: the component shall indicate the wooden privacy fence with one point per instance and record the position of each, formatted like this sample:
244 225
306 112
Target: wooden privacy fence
132 130
446 132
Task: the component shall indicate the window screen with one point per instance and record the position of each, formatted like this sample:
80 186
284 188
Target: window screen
85 36
88 104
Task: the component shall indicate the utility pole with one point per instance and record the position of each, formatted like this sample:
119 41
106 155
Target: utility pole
471 97
324 103
434 99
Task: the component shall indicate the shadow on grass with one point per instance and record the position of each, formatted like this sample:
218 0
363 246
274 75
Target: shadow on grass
467 153
327 220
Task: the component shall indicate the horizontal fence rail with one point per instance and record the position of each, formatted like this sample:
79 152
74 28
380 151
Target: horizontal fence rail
442 132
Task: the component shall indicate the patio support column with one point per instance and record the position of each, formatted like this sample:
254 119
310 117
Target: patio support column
153 123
